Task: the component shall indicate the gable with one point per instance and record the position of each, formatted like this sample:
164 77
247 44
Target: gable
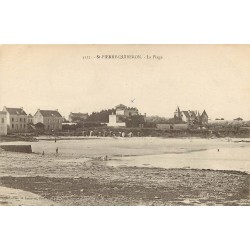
186 113
15 111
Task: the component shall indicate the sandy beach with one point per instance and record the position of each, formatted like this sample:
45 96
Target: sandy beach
148 172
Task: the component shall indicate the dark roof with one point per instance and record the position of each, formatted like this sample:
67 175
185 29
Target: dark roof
30 115
121 106
50 113
193 114
3 112
15 111
204 113
79 114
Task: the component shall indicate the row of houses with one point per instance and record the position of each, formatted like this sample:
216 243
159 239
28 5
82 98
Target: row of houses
17 120
13 120
182 119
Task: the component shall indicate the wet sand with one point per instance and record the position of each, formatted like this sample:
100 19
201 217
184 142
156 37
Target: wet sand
154 152
71 180
17 197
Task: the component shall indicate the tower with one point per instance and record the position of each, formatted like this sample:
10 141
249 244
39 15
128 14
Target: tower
177 113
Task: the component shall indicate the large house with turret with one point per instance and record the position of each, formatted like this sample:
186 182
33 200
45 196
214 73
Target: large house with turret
191 117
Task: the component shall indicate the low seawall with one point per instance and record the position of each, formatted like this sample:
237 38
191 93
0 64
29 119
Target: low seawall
17 148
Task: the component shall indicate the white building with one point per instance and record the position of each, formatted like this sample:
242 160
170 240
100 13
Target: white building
51 119
115 121
121 113
17 119
3 123
125 111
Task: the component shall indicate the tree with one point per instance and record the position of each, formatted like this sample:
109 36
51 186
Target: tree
157 119
102 116
134 121
39 126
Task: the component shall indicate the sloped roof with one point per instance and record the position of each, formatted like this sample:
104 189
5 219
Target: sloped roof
15 111
121 106
178 109
186 113
193 114
3 112
50 113
204 113
30 115
79 114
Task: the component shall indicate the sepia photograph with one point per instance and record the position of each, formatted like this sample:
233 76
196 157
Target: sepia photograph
124 125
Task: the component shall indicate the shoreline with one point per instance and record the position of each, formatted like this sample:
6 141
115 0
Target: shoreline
92 182
145 133
221 154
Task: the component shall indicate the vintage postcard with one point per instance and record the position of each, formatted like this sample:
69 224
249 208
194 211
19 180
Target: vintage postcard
125 125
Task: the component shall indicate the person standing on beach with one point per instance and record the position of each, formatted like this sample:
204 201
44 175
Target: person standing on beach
55 139
56 151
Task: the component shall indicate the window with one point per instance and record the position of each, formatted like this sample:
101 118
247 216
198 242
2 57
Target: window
12 119
12 125
2 120
20 119
24 125
21 125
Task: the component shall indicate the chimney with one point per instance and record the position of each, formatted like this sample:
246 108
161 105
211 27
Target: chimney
145 114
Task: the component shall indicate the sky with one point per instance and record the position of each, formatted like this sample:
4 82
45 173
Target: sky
195 77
